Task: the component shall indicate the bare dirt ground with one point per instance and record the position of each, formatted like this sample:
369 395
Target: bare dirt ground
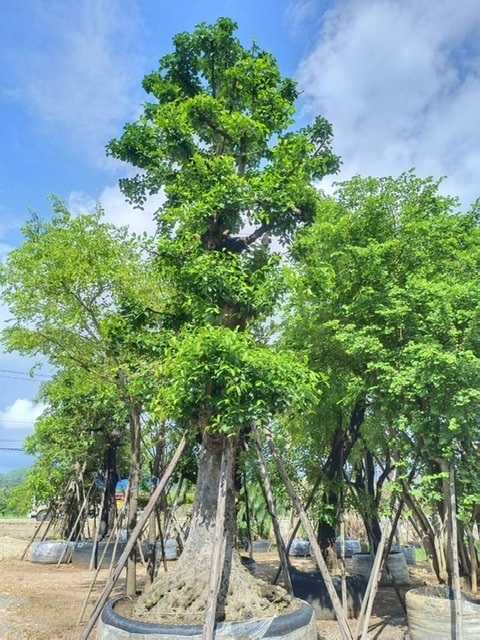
43 602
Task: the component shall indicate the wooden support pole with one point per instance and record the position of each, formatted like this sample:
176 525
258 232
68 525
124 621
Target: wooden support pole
342 564
99 566
473 561
94 557
337 605
247 514
272 511
132 541
298 523
363 620
218 552
77 520
455 569
35 534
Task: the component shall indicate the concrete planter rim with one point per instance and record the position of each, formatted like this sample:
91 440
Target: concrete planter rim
279 625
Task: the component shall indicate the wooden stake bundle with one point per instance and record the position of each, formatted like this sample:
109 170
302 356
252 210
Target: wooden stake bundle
455 569
132 541
272 511
337 605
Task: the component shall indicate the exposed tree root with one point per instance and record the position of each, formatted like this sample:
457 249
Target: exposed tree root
180 596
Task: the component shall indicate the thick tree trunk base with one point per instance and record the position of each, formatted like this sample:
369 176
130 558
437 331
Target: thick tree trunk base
179 596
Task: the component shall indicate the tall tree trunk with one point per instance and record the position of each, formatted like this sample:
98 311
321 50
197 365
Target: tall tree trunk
111 478
197 552
183 591
342 444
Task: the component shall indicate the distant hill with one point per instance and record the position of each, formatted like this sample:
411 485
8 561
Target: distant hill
12 478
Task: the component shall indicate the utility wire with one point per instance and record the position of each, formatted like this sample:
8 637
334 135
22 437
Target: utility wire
25 373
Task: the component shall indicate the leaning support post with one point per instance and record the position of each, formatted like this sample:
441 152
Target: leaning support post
455 570
298 523
115 529
219 544
272 511
132 541
363 620
35 534
77 521
337 605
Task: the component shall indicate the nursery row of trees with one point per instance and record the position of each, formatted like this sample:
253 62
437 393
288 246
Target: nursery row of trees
348 323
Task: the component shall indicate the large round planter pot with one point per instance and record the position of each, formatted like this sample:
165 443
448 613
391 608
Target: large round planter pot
51 552
431 615
363 562
407 550
261 546
299 625
351 547
170 548
311 587
299 548
82 552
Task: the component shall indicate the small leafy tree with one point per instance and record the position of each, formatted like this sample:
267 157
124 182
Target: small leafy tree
78 290
217 137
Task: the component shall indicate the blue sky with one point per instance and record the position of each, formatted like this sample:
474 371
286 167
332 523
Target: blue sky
398 79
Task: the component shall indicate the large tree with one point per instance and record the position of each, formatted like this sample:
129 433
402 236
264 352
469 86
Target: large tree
386 306
217 137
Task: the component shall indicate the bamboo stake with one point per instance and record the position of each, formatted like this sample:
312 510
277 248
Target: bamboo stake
298 523
35 534
77 520
94 557
92 584
337 605
473 562
455 569
272 511
372 586
132 540
247 514
219 544
342 564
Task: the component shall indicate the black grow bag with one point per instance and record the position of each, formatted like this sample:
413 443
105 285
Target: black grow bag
82 553
311 587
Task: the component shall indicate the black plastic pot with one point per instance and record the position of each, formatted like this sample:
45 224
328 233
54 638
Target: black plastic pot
51 551
311 587
300 548
261 546
351 546
82 553
299 625
397 565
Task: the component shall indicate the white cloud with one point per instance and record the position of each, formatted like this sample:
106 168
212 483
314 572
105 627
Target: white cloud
400 81
117 211
21 414
76 72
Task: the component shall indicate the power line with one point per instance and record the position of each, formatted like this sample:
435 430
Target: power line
25 379
26 373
